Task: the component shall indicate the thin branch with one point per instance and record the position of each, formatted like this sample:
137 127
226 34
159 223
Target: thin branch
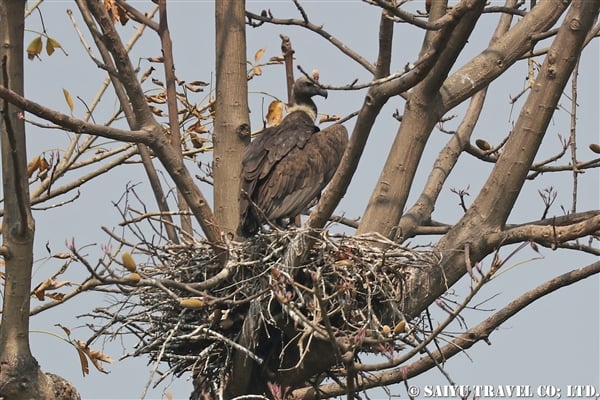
316 29
460 344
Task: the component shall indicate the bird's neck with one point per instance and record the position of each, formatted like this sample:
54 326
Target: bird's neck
309 107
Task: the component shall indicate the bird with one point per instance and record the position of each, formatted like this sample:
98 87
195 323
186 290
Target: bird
288 165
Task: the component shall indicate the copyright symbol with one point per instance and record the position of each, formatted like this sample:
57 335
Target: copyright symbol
413 391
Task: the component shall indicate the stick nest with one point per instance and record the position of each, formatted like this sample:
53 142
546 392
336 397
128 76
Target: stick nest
192 313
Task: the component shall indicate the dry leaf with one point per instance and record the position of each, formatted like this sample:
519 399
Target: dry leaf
329 118
146 74
259 54
157 111
483 145
35 48
133 278
43 168
52 45
69 99
400 327
595 148
85 367
62 256
315 74
123 18
95 357
156 59
48 284
160 98
192 302
56 296
128 261
386 330
158 82
199 83
256 70
64 328
33 166
197 140
275 114
193 88
116 12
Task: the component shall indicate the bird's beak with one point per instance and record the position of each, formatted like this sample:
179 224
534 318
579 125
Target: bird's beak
322 92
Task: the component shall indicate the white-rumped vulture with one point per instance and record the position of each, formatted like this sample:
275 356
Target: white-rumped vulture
288 165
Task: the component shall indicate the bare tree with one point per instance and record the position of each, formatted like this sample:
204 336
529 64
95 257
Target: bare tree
277 314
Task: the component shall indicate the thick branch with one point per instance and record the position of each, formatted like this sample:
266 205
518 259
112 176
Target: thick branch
424 206
549 235
231 123
421 114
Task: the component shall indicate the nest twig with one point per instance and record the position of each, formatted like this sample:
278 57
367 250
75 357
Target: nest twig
348 292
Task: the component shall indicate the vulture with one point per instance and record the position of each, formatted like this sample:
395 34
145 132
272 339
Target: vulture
288 165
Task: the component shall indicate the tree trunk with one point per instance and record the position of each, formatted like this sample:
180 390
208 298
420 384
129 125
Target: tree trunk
232 124
20 374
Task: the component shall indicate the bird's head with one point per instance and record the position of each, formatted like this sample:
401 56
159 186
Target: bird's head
304 89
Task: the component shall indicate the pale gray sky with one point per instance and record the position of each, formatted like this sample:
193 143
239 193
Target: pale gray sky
553 342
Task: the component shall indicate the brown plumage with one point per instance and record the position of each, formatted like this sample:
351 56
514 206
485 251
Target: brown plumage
288 165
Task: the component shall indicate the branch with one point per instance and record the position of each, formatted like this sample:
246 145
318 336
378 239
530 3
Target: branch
549 235
445 162
138 16
449 18
74 124
480 332
316 29
497 58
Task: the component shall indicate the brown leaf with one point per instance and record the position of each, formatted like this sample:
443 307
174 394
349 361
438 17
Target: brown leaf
156 59
197 127
122 14
68 99
160 98
197 140
157 111
315 74
133 278
158 82
193 88
199 83
483 145
595 148
64 328
48 284
95 356
146 74
56 296
33 166
329 118
400 327
277 60
115 12
192 302
128 261
85 366
275 113
62 256
259 54
35 48
44 166
256 70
